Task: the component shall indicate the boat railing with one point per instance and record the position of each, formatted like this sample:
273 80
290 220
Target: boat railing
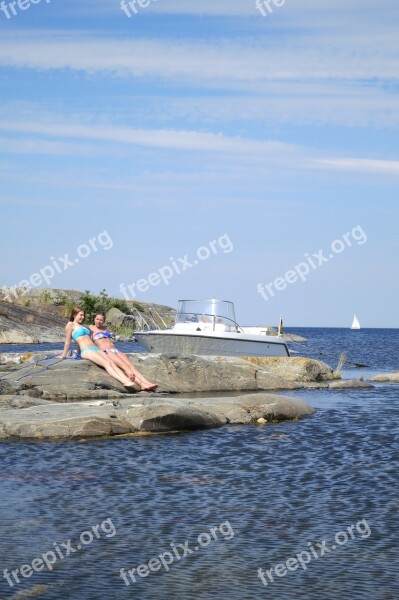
211 319
154 310
150 321
143 323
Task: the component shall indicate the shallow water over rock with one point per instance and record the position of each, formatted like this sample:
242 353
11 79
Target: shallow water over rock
279 487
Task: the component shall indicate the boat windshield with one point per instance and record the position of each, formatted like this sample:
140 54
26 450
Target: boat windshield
195 311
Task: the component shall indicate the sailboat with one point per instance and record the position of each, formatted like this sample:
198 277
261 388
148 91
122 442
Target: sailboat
355 323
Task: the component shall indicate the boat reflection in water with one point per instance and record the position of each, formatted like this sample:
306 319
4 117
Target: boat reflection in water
209 327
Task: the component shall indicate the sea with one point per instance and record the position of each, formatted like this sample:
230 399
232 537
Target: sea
297 510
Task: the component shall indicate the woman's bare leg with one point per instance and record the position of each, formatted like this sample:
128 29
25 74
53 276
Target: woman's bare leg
145 384
122 361
112 370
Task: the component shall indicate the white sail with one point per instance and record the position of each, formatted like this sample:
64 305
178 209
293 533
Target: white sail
355 323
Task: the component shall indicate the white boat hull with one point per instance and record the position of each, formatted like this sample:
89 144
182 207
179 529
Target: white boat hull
211 344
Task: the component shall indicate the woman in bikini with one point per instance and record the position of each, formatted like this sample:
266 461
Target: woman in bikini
81 335
102 338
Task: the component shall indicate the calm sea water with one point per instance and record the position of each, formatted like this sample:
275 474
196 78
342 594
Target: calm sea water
273 492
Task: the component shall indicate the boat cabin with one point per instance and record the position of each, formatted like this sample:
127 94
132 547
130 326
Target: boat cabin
206 315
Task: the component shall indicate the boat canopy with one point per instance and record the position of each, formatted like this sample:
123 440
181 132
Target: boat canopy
189 310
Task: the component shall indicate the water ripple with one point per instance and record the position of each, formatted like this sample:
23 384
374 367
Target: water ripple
281 488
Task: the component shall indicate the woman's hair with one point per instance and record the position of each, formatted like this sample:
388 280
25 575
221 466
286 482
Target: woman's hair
100 312
75 311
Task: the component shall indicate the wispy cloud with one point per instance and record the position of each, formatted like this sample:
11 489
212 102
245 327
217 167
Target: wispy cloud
300 103
306 9
233 148
221 62
362 165
183 140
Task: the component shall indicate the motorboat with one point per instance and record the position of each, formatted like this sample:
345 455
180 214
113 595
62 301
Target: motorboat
209 327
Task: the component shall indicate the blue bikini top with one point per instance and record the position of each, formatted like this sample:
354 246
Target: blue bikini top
101 334
79 332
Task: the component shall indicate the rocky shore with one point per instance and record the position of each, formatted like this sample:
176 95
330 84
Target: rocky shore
39 315
71 379
22 325
43 398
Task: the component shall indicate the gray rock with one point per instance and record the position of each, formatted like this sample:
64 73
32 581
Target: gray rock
386 377
21 325
63 381
169 417
70 379
349 384
25 401
248 408
64 421
116 317
221 373
25 418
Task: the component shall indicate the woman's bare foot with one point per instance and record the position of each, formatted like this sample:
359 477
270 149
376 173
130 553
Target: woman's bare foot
150 388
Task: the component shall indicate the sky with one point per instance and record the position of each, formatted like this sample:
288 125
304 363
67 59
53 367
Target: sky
194 149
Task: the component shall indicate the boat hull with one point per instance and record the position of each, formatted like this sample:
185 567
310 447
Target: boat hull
233 344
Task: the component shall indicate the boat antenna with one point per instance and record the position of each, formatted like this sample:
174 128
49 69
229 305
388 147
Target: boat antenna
280 330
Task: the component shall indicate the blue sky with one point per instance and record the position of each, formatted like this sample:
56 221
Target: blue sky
194 120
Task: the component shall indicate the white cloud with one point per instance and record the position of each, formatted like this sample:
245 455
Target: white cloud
260 154
217 62
301 103
362 165
182 140
307 9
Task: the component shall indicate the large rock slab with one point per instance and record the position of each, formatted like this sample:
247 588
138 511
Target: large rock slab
63 421
349 384
222 373
22 325
62 381
79 379
248 408
43 420
386 377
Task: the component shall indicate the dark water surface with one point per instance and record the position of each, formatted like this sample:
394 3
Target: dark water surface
272 492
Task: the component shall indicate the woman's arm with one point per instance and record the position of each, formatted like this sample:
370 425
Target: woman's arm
68 332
